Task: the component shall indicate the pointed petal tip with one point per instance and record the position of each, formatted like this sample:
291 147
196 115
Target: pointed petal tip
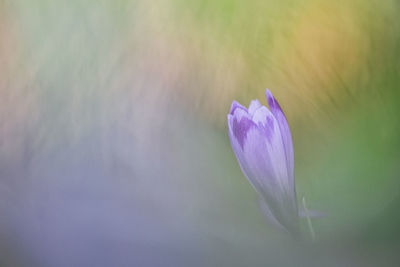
254 102
234 106
268 92
270 98
254 105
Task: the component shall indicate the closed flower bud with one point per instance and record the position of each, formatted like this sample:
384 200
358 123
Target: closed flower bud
262 143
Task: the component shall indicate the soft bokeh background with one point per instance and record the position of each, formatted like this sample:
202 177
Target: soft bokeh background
113 139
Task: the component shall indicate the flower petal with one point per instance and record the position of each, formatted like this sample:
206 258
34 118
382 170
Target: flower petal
236 105
285 132
263 163
265 157
272 149
241 112
266 211
261 151
254 105
237 147
239 124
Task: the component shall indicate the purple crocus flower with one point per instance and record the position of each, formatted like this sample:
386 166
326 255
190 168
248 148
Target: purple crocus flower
263 146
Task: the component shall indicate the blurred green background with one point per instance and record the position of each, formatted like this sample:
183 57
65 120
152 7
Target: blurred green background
114 148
